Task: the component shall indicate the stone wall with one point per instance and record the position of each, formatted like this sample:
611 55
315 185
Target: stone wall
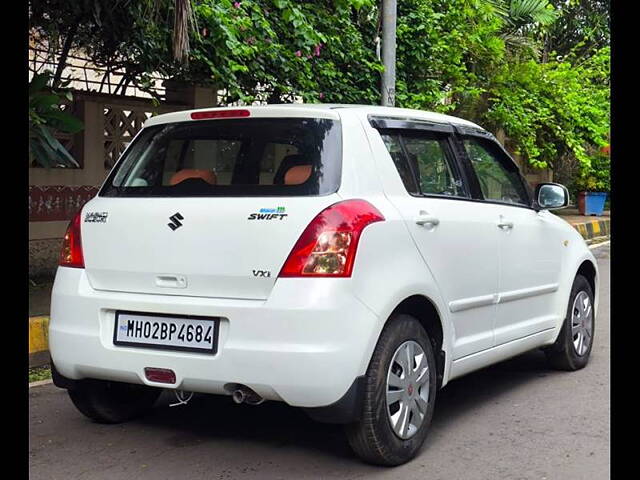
43 257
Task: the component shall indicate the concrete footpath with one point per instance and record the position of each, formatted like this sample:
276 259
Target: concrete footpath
593 230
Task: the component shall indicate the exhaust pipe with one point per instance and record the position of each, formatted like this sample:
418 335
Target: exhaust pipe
244 394
238 396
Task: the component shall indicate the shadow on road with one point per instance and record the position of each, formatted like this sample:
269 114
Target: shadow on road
214 418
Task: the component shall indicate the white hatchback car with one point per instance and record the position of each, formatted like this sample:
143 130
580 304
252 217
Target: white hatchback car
349 260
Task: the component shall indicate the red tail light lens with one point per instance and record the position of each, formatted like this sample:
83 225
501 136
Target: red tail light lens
219 114
71 253
327 247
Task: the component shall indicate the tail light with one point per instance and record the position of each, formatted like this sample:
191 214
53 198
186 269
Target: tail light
327 247
71 253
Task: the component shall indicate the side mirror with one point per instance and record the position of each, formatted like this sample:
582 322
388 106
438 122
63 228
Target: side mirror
551 196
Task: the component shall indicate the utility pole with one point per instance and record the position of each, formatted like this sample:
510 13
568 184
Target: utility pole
388 87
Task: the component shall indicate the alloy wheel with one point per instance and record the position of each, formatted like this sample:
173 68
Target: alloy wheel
582 323
407 390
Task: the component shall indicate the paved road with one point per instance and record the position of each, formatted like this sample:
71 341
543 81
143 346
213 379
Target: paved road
515 420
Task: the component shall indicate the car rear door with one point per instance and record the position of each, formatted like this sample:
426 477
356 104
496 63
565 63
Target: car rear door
456 237
530 246
211 208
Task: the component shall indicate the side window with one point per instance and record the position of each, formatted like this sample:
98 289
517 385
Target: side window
392 142
499 180
429 158
423 164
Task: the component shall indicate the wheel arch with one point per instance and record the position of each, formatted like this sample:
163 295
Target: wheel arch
588 270
426 312
584 265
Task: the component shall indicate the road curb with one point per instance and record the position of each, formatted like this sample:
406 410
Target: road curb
598 242
40 383
38 340
593 229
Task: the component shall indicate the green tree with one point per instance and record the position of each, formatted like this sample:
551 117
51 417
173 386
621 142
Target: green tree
555 112
581 30
493 62
46 116
524 23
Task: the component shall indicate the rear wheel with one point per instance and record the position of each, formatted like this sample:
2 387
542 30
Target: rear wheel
399 398
112 402
572 348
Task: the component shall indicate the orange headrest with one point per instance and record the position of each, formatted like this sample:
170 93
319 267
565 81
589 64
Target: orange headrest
297 175
207 175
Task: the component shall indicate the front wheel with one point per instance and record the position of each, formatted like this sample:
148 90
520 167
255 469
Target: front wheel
112 402
572 348
399 398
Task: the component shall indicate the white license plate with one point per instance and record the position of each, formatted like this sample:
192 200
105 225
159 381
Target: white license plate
154 330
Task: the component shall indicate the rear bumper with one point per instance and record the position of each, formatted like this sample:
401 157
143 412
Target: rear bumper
305 345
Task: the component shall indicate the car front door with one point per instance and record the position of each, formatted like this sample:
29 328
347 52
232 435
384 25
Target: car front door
530 248
456 236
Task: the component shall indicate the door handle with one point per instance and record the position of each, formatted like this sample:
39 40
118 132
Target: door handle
171 281
505 224
425 219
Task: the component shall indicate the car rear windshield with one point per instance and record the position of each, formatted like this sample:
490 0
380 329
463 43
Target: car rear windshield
234 157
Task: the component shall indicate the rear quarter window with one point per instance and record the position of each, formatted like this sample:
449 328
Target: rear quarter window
424 163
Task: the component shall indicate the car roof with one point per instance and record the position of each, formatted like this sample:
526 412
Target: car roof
323 110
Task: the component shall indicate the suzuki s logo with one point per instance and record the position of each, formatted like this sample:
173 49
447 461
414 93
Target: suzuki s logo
175 221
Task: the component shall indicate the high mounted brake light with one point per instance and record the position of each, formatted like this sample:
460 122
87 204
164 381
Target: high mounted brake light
71 252
220 114
327 247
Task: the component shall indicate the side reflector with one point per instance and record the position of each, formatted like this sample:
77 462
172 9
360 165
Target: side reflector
160 375
220 114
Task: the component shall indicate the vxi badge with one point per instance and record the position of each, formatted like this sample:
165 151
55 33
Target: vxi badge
268 214
261 273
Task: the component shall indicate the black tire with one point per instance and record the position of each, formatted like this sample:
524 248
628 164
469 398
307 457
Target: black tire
562 355
372 438
112 402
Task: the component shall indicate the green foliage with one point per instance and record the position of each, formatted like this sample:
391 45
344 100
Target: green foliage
523 24
37 374
520 15
596 177
281 49
551 110
581 29
493 62
445 49
45 114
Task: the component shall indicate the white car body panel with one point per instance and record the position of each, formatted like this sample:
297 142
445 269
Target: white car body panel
285 348
528 280
304 340
215 248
